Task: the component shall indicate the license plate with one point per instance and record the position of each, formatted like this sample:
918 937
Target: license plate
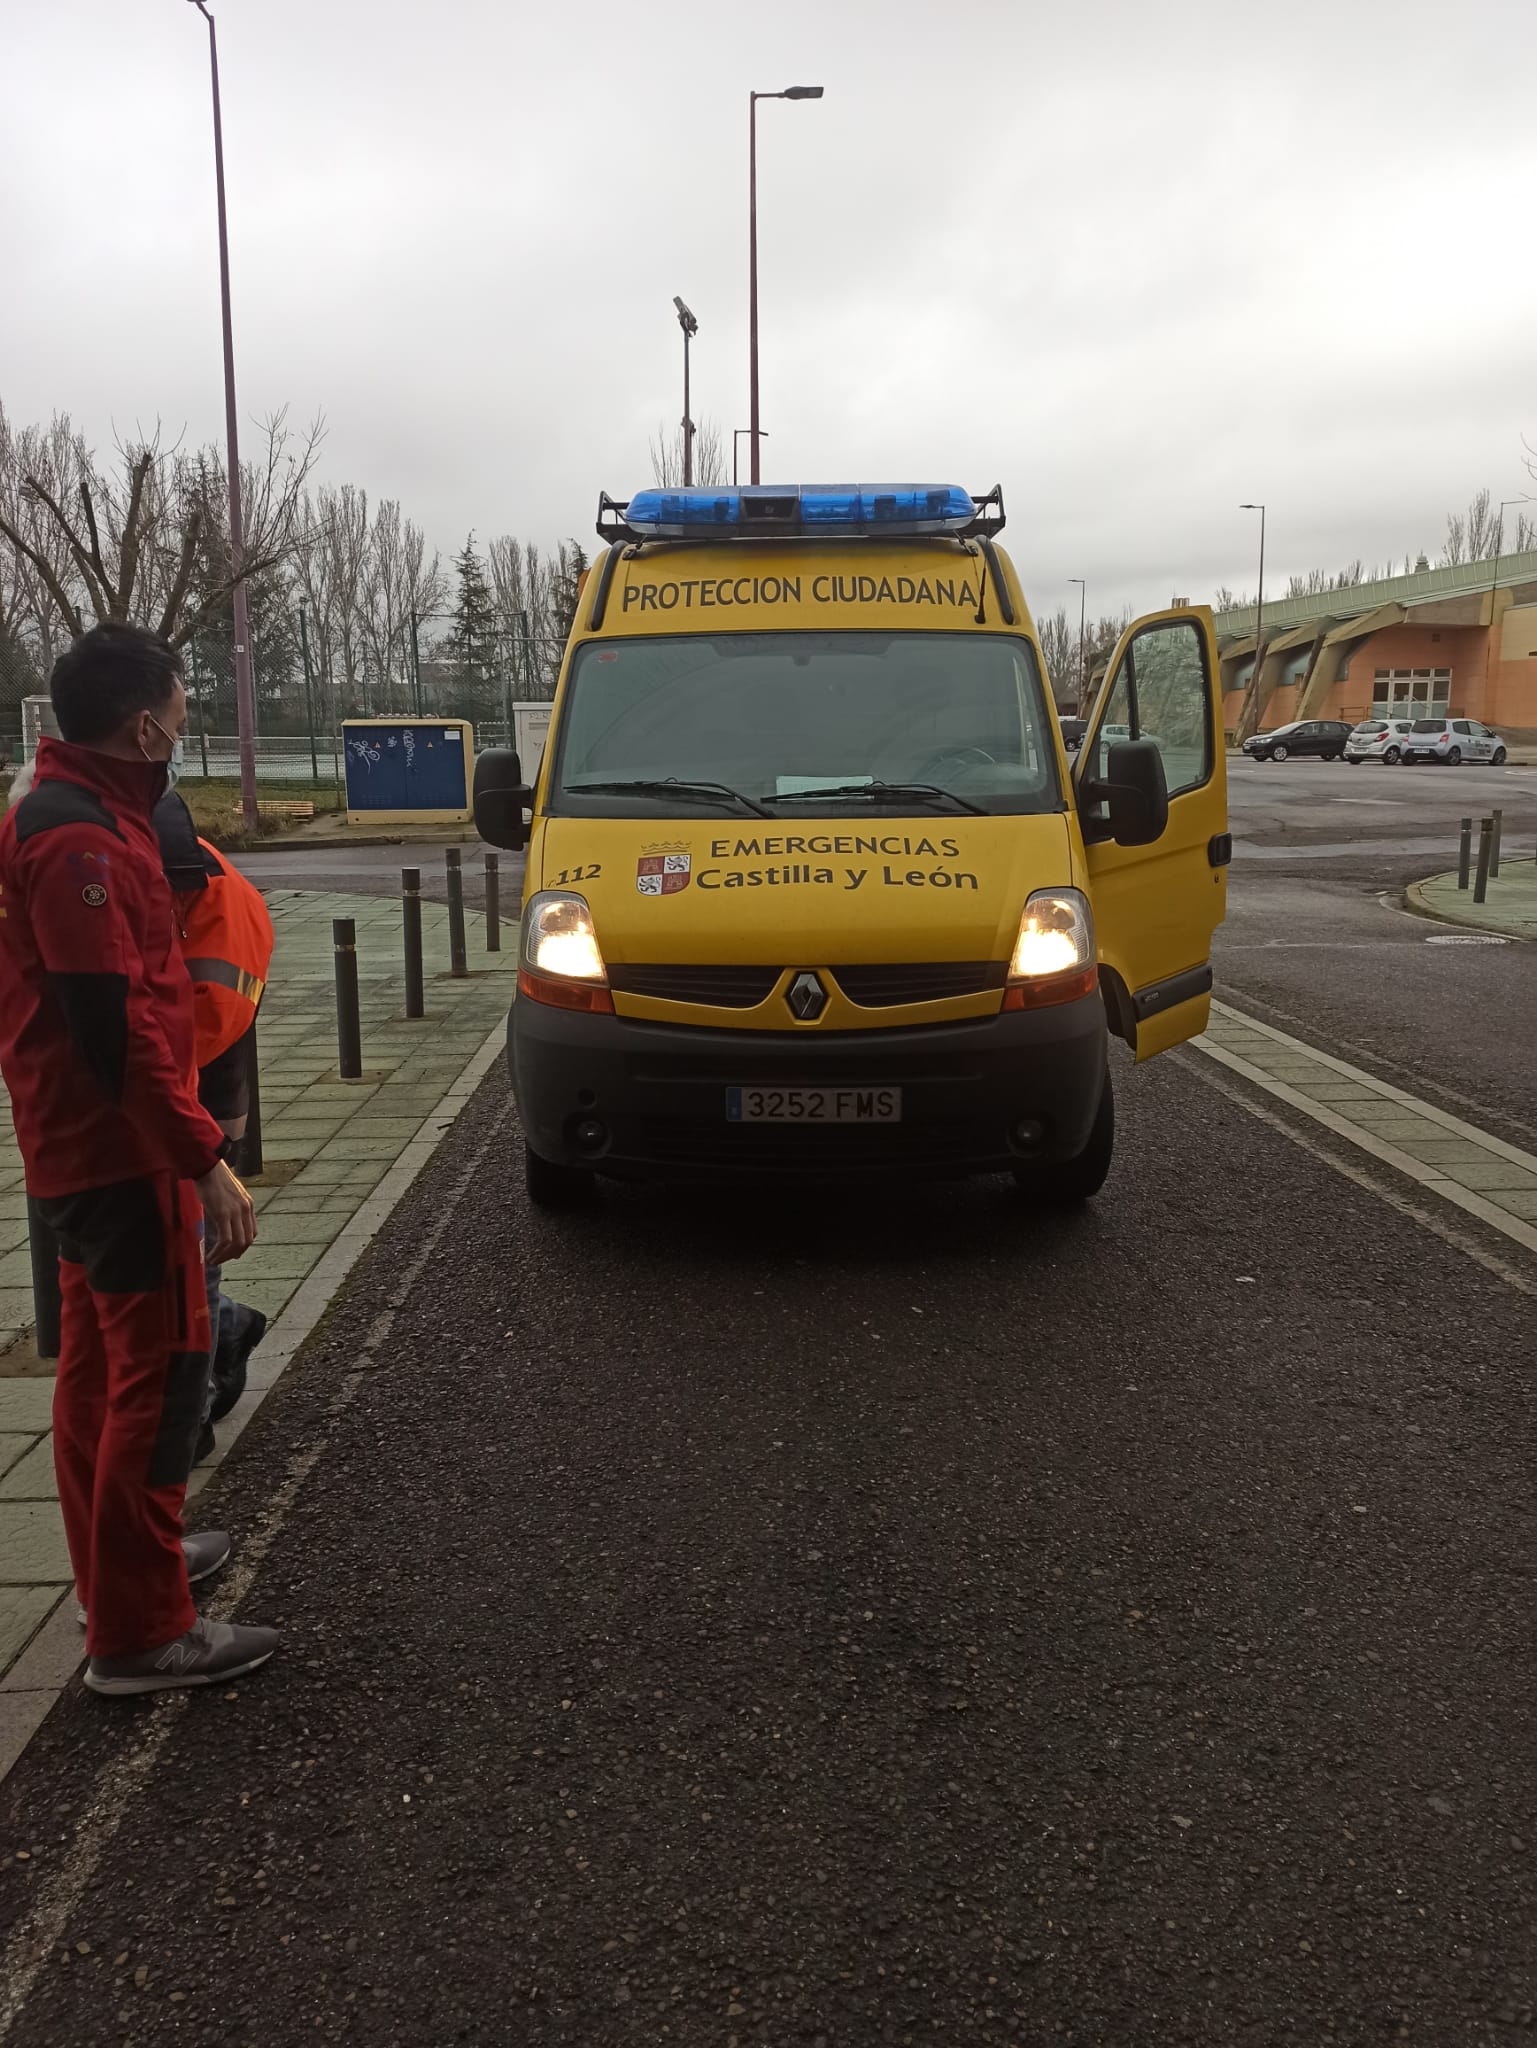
814 1105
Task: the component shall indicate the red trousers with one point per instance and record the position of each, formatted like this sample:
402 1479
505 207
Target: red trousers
127 1405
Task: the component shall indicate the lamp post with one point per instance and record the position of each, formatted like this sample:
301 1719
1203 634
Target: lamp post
416 662
309 688
245 693
736 436
791 92
1083 606
690 328
1259 612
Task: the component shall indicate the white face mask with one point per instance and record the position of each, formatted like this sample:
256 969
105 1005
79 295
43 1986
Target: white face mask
173 767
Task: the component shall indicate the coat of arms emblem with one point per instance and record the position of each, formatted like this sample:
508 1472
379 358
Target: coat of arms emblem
662 870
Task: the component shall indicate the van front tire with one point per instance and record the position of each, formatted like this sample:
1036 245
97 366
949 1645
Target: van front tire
556 1187
1075 1180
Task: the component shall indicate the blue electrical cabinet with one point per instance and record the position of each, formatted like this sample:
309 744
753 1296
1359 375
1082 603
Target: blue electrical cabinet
409 771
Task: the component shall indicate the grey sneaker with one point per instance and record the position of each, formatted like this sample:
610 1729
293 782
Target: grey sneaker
206 1553
210 1653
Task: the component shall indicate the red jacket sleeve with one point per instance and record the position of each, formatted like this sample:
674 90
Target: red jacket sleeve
97 974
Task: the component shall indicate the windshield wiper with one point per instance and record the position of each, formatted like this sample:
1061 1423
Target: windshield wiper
670 785
885 792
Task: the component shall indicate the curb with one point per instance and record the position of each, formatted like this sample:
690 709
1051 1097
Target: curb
54 1654
1417 906
333 842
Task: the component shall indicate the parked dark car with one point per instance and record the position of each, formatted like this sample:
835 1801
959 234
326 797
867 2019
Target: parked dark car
1073 730
1323 737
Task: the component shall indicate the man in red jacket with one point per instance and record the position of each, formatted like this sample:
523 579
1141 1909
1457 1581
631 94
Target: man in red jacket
96 1047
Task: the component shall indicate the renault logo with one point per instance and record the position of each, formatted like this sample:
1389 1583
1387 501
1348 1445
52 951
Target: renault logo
806 996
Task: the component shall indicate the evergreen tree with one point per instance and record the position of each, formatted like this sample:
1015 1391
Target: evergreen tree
566 589
472 645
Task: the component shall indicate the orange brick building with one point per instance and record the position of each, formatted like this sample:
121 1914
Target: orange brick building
1460 641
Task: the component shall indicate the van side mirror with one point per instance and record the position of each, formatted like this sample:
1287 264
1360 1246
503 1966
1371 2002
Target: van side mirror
1134 792
501 798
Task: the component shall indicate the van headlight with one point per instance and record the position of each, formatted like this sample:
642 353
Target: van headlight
1053 960
559 960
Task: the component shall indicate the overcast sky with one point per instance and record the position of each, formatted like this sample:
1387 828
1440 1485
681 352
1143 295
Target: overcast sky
1136 262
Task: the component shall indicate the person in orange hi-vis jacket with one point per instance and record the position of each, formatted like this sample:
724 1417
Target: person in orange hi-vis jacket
226 941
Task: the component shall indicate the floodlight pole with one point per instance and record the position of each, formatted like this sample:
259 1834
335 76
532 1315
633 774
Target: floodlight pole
690 328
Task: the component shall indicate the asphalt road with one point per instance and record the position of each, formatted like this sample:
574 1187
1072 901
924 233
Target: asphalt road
901 1618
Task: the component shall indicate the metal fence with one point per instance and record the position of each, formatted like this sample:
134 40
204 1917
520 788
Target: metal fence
280 757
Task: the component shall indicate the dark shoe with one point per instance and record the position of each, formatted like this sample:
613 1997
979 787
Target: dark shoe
205 1553
210 1653
207 1444
230 1362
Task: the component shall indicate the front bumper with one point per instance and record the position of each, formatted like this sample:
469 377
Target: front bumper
658 1091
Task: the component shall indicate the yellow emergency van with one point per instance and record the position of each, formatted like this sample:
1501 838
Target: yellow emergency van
812 888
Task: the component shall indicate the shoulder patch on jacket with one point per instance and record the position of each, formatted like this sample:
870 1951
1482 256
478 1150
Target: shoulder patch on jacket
50 804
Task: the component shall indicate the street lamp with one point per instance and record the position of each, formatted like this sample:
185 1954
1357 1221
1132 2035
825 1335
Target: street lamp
1083 603
791 92
245 693
736 435
1259 610
690 328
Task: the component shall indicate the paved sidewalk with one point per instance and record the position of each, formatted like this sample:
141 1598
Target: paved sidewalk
1475 1171
328 1144
1509 909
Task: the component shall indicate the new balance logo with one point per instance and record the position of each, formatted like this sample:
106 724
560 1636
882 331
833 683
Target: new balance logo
177 1657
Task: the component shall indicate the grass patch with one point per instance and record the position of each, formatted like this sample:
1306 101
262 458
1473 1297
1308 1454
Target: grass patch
215 805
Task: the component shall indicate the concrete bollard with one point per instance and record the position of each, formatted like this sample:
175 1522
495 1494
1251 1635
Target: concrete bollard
349 1028
458 965
411 921
1465 853
1485 844
493 904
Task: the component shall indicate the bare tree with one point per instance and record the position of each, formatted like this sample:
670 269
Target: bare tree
28 612
424 585
343 521
131 536
709 456
1059 648
1473 536
385 612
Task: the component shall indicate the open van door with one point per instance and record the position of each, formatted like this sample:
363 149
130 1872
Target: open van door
1156 904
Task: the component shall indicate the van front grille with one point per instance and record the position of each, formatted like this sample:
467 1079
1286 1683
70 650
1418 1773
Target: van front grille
718 988
932 981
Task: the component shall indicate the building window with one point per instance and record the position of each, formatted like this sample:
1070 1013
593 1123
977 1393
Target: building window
1411 692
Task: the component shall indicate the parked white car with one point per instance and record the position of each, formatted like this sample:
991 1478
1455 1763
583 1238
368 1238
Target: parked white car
1453 741
1379 739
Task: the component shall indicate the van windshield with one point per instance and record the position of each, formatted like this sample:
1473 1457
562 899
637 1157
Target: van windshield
804 724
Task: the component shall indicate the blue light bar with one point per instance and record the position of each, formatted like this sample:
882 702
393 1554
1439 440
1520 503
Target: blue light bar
767 510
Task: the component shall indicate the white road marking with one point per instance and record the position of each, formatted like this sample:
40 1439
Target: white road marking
1467 939
36 1935
1393 803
